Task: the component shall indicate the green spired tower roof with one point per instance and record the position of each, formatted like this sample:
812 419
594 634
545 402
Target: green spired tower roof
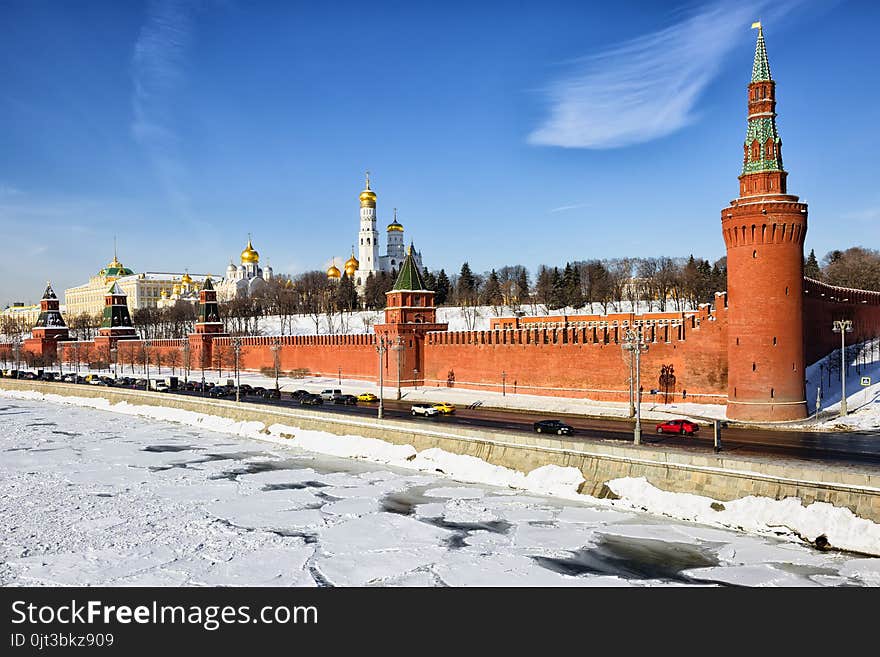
409 277
761 67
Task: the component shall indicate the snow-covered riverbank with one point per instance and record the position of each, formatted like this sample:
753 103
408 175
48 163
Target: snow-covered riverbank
193 458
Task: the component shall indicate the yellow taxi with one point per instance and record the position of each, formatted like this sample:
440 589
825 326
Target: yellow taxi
367 397
445 408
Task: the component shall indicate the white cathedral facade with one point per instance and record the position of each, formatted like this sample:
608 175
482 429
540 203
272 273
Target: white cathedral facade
245 280
369 260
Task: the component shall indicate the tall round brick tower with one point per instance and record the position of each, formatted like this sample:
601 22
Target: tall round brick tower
764 232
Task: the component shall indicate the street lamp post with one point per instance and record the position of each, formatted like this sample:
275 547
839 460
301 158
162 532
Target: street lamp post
236 347
276 347
147 344
380 349
114 355
399 346
632 406
503 383
633 342
16 352
185 363
339 375
842 326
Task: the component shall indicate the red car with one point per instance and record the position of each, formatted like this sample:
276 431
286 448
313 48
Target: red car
678 426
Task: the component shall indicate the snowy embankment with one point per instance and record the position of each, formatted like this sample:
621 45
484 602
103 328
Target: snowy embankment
863 402
818 523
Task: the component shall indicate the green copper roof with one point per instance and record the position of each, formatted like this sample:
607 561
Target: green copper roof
409 277
208 284
761 67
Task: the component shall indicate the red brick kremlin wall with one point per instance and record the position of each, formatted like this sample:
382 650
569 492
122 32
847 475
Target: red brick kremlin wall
586 362
825 303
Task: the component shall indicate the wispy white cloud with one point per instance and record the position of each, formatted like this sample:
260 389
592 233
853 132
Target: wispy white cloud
866 215
158 73
576 206
8 191
647 87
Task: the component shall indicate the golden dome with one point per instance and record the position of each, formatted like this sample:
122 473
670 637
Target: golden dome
333 272
395 225
368 196
351 265
176 288
186 279
164 294
249 254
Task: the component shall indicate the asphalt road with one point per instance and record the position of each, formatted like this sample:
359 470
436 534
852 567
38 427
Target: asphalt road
857 447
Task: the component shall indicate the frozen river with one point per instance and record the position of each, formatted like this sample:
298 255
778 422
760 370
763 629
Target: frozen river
96 498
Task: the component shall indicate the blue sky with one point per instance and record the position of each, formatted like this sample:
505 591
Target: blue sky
505 133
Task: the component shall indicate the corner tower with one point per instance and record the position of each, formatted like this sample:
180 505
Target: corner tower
764 231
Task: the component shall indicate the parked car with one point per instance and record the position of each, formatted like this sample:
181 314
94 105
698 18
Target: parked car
346 400
245 389
553 426
296 395
367 397
48 376
271 393
680 426
425 410
161 386
218 391
258 391
330 393
445 408
311 400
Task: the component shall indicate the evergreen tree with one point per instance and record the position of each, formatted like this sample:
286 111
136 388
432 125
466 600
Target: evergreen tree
345 296
571 287
544 286
466 288
441 290
522 286
557 290
429 280
811 267
492 292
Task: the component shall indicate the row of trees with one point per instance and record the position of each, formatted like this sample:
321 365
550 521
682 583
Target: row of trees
856 267
613 284
659 283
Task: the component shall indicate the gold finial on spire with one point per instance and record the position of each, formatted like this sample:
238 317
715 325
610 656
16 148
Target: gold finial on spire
368 180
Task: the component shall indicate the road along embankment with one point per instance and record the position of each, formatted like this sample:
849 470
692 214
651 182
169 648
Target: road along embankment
720 476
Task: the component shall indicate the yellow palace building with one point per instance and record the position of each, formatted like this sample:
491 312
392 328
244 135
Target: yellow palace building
144 290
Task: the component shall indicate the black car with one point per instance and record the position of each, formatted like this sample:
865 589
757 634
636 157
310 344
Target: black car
553 426
311 400
299 394
218 391
271 393
258 391
346 400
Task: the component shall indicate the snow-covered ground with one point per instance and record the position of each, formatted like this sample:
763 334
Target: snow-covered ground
459 319
94 498
863 402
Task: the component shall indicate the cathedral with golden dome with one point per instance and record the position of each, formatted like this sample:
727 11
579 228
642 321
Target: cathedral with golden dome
368 260
246 279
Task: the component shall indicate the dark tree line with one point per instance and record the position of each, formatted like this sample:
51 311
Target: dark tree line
856 267
663 283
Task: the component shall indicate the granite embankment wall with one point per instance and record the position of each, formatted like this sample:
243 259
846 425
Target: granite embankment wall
719 476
